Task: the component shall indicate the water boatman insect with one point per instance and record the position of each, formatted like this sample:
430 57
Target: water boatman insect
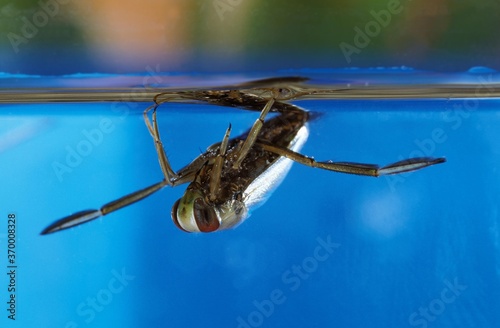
237 174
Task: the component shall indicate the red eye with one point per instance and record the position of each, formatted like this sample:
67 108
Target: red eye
205 216
174 216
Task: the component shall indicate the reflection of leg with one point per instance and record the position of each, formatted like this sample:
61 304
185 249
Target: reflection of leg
252 135
353 168
169 174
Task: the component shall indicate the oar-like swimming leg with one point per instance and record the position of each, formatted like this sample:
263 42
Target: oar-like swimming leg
171 179
354 168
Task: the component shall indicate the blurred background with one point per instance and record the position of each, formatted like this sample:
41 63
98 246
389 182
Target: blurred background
404 243
65 36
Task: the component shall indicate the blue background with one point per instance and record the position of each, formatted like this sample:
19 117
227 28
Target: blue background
401 243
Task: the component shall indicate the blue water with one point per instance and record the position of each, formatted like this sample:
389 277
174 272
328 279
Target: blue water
326 250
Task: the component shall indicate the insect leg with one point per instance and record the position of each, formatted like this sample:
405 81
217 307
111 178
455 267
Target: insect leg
252 134
186 175
89 215
354 168
171 179
217 168
167 170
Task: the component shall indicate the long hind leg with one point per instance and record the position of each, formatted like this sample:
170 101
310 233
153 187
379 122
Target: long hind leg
406 165
171 179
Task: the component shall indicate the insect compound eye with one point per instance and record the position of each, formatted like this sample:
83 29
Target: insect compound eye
174 216
205 216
